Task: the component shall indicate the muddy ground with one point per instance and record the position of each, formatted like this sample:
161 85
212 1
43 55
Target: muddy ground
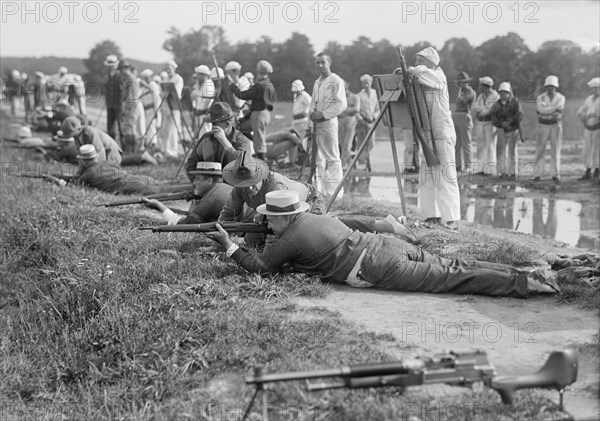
518 335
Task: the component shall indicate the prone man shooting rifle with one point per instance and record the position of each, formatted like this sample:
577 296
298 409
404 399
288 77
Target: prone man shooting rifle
459 368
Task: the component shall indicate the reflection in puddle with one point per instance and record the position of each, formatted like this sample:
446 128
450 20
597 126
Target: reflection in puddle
574 223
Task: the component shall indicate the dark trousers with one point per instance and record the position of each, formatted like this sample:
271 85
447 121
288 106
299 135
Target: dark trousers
397 265
112 124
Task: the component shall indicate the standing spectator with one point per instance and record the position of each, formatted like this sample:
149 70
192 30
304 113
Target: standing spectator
439 196
13 91
369 110
486 143
232 72
589 114
129 94
113 100
27 94
328 101
150 98
550 105
347 125
78 88
263 96
203 96
463 122
171 114
506 116
39 87
300 108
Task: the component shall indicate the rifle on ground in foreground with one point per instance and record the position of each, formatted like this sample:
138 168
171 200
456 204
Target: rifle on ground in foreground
163 197
411 102
58 180
459 368
231 227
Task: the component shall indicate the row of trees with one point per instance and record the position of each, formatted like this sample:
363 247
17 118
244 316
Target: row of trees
504 58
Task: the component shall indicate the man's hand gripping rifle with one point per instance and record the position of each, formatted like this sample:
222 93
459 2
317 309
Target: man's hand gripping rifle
230 227
413 110
459 368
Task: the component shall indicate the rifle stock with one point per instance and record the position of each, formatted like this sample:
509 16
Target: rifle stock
231 227
163 197
460 368
413 111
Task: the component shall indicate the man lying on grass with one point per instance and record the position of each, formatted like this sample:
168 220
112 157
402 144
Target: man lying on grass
320 244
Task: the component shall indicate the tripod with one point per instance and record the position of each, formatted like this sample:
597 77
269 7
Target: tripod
170 98
389 89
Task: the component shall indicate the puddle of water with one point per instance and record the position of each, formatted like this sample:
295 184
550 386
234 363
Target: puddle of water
571 222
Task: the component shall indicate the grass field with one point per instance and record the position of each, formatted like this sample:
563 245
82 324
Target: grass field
102 321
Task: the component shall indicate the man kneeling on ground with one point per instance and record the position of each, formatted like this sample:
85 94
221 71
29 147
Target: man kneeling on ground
317 244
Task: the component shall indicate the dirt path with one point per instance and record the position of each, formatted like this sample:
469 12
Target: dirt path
518 335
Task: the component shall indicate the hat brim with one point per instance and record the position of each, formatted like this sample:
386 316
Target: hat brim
463 80
224 118
232 177
87 157
111 64
201 172
63 139
262 209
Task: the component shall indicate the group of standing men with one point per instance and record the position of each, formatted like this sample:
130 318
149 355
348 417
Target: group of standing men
498 117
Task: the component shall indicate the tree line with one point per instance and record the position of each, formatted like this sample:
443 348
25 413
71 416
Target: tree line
503 58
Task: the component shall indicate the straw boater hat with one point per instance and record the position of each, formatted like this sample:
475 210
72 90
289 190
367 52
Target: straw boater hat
87 152
282 202
220 111
208 168
245 171
202 69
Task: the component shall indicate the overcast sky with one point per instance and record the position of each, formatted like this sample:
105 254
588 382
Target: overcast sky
72 28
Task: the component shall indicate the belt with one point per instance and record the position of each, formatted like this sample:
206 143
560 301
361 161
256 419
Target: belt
547 122
486 118
354 277
300 116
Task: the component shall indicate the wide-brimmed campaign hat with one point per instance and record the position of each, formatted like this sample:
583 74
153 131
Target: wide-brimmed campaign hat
282 202
220 111
209 168
245 171
71 126
463 77
87 152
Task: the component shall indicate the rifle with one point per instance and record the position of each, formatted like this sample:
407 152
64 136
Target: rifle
521 133
415 117
459 368
313 144
231 227
163 197
59 181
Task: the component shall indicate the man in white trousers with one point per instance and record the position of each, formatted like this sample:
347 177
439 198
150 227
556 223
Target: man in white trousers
439 196
486 141
328 101
550 105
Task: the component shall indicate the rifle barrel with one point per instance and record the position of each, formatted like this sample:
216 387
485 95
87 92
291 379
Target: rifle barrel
164 197
231 227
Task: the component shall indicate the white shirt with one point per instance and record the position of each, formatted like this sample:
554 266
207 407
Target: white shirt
484 102
437 100
178 81
329 96
204 95
369 105
547 106
590 109
302 104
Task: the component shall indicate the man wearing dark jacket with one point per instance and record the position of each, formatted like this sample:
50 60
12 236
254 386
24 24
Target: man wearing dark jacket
113 97
506 116
262 94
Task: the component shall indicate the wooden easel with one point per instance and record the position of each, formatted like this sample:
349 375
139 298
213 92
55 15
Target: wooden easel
390 90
